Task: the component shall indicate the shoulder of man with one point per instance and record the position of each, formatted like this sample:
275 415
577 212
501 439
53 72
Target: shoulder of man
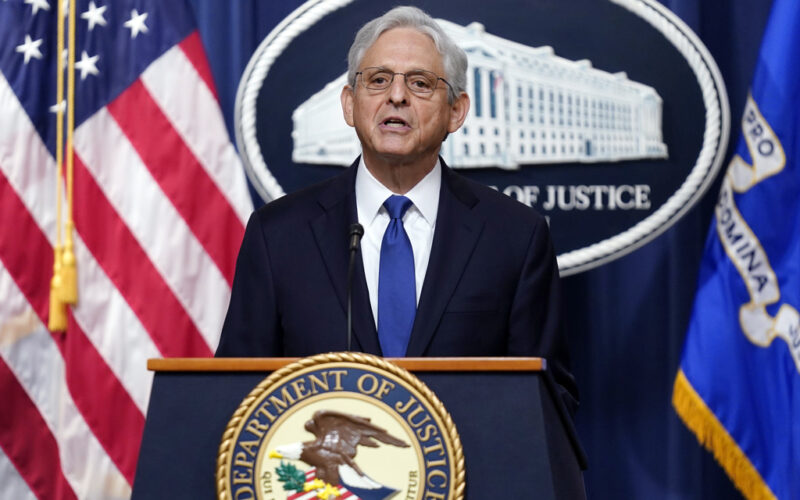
487 200
307 202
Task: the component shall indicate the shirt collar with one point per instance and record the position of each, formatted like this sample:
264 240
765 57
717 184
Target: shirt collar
370 194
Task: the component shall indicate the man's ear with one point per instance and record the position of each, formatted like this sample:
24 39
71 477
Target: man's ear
347 98
458 112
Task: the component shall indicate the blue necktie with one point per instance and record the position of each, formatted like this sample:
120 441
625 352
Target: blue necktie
397 292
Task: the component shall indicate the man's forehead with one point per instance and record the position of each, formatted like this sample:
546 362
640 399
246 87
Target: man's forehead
403 48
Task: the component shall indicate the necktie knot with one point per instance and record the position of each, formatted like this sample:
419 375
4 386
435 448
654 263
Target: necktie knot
397 206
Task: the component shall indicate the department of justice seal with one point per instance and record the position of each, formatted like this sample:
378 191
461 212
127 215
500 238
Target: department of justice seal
611 134
340 425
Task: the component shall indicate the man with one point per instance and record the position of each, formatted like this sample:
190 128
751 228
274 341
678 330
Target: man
456 269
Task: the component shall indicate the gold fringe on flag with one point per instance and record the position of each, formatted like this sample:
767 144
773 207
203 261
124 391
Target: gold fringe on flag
712 434
57 318
69 271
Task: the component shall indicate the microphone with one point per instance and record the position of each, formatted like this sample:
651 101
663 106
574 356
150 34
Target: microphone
356 232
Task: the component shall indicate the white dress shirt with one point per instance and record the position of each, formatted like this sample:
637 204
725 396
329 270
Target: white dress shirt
419 222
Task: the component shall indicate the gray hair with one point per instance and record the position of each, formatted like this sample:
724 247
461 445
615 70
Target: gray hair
454 59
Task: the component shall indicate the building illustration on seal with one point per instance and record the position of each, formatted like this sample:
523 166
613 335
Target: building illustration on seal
528 106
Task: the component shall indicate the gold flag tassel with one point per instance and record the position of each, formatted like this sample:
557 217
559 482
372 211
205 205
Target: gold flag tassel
57 318
69 269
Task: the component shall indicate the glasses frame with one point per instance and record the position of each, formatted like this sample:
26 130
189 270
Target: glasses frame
405 80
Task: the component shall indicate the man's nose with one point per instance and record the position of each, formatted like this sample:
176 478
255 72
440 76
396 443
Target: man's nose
398 92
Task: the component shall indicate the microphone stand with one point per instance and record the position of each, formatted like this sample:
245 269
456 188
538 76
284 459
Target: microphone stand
356 232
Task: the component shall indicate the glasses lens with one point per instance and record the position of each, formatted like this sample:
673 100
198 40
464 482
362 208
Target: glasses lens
422 82
376 78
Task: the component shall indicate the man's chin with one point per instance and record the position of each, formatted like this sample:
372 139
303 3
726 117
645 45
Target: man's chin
395 149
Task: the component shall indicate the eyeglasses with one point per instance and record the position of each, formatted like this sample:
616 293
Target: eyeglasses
418 81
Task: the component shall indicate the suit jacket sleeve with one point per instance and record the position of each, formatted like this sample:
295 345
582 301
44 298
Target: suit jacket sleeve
535 317
252 324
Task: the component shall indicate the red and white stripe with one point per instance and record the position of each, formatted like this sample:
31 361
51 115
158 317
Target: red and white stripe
14 486
160 208
311 474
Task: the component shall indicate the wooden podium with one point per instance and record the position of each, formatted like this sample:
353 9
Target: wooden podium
518 440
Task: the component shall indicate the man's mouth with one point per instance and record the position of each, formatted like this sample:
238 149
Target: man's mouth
394 123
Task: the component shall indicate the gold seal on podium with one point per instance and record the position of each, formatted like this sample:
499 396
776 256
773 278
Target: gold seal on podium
340 425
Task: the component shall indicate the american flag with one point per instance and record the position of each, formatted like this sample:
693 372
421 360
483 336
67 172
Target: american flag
160 203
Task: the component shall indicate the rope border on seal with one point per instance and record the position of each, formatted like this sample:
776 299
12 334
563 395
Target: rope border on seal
709 160
261 61
458 472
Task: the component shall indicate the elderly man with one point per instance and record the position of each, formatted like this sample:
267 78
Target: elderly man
448 267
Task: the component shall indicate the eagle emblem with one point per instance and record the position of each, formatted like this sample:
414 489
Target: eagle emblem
332 457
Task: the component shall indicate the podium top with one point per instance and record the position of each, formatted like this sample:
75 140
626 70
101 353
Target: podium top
411 364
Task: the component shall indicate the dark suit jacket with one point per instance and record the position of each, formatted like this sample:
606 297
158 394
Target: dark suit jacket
491 287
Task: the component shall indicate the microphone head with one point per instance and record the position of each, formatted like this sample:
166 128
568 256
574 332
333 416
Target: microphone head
356 229
356 232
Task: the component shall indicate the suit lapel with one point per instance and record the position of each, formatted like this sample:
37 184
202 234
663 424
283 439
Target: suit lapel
457 231
330 232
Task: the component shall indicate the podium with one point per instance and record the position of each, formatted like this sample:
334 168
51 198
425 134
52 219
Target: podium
517 438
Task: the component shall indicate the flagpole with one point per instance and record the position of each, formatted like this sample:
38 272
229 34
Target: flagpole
69 289
57 318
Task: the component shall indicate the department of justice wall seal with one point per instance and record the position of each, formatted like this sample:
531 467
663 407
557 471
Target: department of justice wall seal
611 134
340 425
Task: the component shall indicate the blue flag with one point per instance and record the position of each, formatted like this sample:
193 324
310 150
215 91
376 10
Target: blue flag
738 387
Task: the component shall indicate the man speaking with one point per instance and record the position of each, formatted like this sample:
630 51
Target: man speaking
447 267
